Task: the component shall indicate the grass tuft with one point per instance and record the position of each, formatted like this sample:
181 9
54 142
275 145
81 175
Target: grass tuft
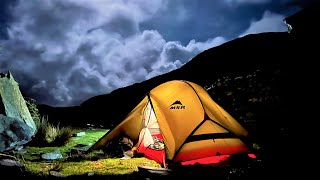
50 135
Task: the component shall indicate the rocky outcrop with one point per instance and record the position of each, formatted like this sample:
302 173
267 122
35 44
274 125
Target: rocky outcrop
16 123
12 101
13 133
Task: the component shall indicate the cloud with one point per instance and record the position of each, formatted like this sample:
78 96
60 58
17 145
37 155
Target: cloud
174 55
248 1
63 52
270 22
5 16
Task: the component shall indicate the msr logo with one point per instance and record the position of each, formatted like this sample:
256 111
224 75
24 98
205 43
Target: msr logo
177 105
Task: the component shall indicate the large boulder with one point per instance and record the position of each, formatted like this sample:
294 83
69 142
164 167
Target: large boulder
16 123
12 103
13 133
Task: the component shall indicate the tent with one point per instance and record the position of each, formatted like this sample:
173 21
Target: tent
178 121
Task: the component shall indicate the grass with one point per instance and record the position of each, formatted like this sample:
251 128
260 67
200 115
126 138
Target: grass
95 162
108 166
102 165
91 137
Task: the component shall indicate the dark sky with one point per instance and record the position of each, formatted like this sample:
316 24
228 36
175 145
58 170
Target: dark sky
63 52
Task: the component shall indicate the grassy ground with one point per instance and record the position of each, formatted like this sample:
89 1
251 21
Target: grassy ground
72 164
101 166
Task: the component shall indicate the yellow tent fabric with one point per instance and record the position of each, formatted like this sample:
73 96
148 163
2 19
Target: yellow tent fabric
192 125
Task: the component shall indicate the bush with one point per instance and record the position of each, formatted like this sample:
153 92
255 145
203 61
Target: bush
33 109
50 135
63 135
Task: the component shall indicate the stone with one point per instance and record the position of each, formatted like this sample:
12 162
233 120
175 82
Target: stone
13 133
56 174
51 156
81 134
16 123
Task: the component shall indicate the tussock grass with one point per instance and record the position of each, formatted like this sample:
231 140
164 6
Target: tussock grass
63 136
50 135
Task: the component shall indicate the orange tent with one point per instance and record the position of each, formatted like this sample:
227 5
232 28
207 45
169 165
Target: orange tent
178 121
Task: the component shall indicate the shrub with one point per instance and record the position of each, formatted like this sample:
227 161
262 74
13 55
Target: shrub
63 135
40 136
33 109
50 135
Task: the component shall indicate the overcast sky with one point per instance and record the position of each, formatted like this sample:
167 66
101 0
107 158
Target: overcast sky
62 52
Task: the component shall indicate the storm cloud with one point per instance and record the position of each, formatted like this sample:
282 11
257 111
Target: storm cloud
270 22
63 52
249 1
73 50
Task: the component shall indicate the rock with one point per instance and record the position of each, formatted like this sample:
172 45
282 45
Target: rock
9 162
51 156
12 103
56 174
16 124
80 147
13 133
125 157
77 151
81 134
90 174
18 148
11 168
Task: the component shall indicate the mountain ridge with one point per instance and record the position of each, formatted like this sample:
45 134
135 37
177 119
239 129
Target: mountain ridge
196 70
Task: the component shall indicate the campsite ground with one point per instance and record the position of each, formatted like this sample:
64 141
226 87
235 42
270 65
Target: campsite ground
73 163
97 165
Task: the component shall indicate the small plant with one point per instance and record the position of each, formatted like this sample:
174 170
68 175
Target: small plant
50 135
63 136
